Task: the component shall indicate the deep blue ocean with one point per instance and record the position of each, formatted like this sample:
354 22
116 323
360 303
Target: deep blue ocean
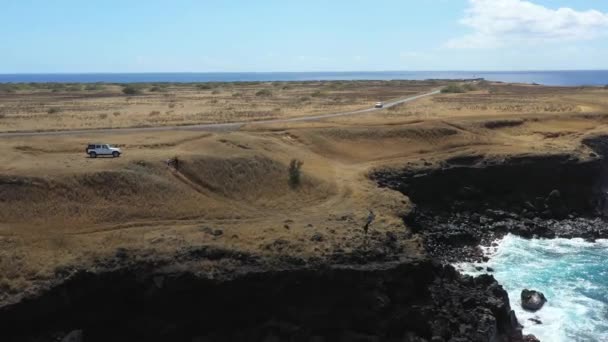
573 275
553 78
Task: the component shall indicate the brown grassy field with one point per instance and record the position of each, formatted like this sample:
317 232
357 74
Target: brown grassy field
106 106
59 208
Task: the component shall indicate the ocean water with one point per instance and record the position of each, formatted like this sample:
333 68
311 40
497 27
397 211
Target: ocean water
553 78
573 275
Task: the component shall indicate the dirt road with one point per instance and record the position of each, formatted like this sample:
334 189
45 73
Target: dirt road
212 127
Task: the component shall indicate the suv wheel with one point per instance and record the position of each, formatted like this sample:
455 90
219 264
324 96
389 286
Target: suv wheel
93 155
115 154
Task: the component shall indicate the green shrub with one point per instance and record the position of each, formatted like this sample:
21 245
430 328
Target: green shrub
8 88
237 94
216 92
204 86
92 87
295 172
264 93
453 89
75 87
318 93
131 90
54 110
469 87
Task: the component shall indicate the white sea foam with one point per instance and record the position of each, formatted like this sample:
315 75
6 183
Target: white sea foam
573 275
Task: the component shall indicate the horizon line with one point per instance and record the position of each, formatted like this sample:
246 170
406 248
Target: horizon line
285 72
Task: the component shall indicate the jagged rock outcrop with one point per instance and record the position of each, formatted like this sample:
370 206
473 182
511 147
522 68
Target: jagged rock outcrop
411 300
460 206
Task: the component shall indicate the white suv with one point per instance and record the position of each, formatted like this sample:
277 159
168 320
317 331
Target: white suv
94 150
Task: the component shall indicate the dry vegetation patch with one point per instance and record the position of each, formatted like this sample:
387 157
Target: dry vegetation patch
501 99
232 189
254 180
59 107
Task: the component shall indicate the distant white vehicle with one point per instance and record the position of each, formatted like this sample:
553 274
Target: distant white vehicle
94 150
379 105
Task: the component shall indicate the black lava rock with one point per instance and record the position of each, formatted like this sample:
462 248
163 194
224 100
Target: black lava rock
532 300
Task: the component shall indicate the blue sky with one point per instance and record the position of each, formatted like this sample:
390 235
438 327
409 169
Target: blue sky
312 35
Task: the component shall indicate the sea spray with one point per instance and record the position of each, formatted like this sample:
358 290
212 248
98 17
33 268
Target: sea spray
573 275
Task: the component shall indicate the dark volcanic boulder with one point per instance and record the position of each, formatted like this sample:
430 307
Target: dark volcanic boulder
555 204
531 338
532 300
74 336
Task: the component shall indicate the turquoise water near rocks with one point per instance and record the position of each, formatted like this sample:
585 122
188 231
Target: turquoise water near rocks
573 275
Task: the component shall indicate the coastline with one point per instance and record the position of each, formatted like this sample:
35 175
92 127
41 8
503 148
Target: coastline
548 77
441 210
440 297
560 268
462 231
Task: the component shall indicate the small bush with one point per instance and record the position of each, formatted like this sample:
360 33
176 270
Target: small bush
103 116
131 90
75 87
304 99
237 94
453 89
295 172
469 87
204 87
154 113
172 105
8 88
215 92
318 93
54 110
116 113
264 93
91 87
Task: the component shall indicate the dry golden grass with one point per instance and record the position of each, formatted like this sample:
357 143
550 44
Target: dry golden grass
189 104
58 207
494 100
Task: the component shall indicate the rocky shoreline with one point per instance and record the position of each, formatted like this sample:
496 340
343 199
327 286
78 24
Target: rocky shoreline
408 300
457 237
372 296
471 202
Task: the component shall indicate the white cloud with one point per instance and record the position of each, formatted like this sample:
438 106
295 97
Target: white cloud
505 22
